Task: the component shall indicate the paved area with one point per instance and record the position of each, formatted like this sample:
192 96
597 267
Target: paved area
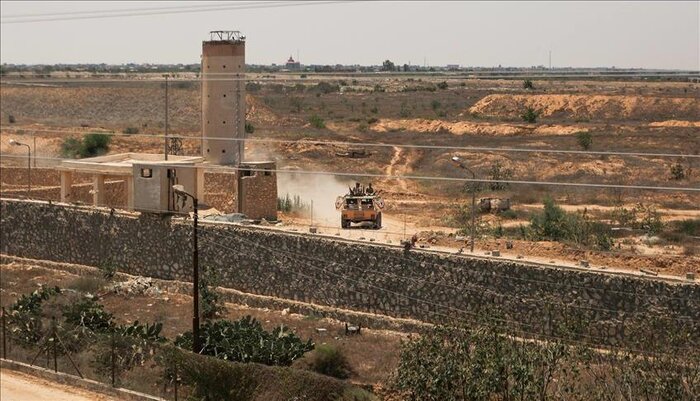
16 386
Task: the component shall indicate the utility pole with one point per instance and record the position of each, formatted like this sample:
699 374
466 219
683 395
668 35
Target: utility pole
180 192
29 164
166 118
550 59
473 191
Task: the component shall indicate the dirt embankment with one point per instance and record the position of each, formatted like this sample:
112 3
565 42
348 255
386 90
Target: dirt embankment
473 128
593 107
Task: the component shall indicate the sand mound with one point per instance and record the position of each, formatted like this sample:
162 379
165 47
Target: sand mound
258 112
675 123
471 128
589 106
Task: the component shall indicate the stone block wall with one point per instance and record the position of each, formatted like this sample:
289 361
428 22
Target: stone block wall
421 285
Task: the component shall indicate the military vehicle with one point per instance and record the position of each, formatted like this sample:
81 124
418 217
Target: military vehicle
361 204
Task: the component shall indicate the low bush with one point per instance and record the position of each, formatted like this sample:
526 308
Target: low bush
530 115
131 130
554 224
249 128
91 145
245 340
329 360
317 122
215 379
212 305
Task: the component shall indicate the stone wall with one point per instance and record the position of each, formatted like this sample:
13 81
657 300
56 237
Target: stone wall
369 278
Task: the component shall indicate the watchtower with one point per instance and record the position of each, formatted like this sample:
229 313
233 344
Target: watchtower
223 97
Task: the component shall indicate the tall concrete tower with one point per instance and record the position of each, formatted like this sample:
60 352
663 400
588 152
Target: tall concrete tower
223 97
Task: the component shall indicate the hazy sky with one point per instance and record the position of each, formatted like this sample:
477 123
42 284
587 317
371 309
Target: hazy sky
643 34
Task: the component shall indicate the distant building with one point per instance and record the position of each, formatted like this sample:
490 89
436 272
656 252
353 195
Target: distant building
293 65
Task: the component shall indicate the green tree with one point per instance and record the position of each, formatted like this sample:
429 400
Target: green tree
530 115
584 140
387 65
527 84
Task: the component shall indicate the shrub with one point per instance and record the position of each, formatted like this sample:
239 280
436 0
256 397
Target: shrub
372 120
88 314
677 171
326 87
131 130
91 145
249 128
24 323
211 303
530 115
527 84
330 360
362 127
252 87
555 224
584 140
499 173
297 103
317 122
108 268
435 104
245 340
442 85
378 88
11 119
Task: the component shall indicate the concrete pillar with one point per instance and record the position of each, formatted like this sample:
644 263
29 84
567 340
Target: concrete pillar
66 186
129 182
200 184
98 189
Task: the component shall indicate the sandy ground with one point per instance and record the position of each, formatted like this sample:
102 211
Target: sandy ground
16 386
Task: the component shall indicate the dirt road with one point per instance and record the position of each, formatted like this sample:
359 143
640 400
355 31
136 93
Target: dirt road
16 386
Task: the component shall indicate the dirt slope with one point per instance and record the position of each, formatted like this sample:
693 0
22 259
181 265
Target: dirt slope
595 107
473 128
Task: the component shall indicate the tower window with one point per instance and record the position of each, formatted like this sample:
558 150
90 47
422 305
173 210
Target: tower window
224 65
223 150
224 121
207 150
146 173
224 95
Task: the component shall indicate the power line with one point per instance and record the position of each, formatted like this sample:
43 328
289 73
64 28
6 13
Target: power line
247 6
200 6
369 144
410 177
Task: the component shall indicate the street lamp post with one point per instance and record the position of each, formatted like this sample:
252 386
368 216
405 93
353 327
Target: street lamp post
459 163
180 192
29 164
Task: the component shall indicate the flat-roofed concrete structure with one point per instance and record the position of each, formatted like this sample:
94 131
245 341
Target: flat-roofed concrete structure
257 190
124 166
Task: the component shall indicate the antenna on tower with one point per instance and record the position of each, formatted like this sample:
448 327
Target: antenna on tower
550 59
